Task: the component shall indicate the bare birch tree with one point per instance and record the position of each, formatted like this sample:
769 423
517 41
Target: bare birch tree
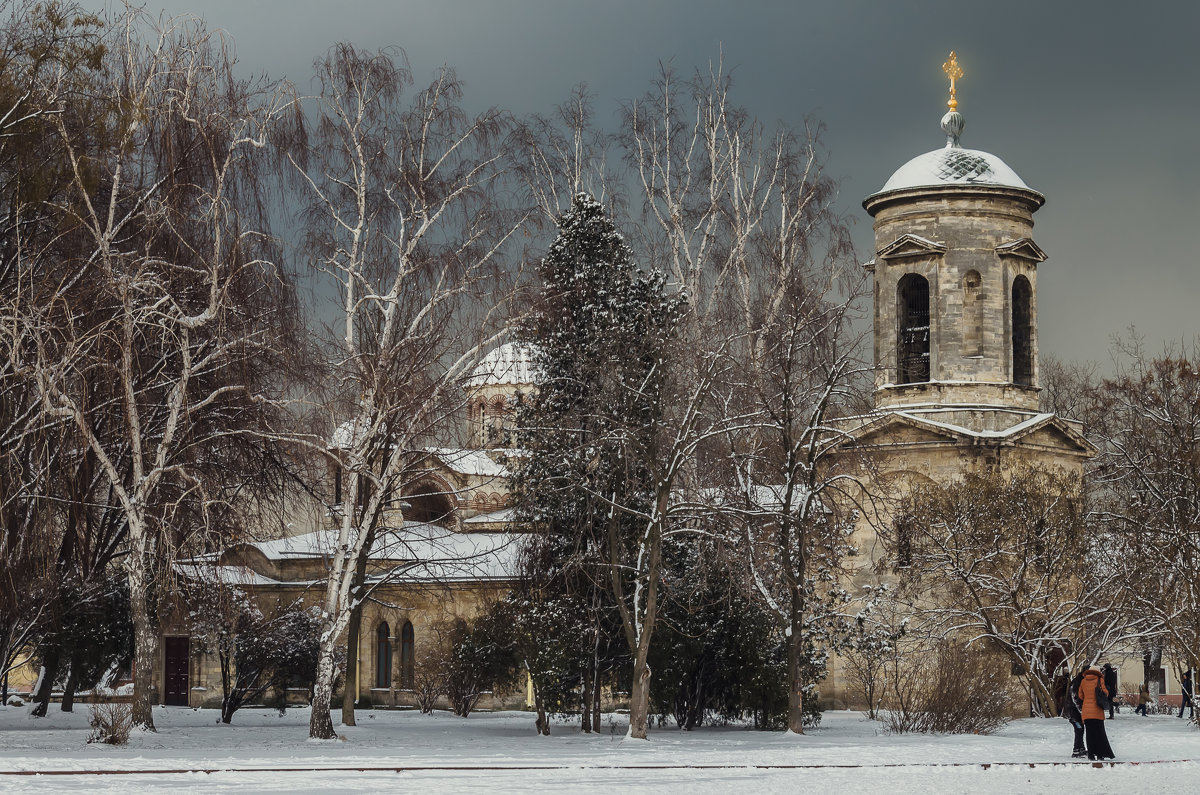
739 217
186 294
407 226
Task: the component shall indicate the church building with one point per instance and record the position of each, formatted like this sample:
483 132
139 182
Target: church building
955 336
955 270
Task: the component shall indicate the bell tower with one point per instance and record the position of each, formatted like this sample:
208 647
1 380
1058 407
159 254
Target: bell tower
956 386
955 279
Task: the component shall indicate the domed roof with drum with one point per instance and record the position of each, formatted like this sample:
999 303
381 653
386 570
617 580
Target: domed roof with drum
510 364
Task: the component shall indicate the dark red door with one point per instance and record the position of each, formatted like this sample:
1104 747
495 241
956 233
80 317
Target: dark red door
175 672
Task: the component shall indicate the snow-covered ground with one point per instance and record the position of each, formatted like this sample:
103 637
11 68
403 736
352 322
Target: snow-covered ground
499 752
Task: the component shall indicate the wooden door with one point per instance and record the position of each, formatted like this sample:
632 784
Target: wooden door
175 672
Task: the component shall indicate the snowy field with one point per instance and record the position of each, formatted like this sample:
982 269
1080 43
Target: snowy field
499 752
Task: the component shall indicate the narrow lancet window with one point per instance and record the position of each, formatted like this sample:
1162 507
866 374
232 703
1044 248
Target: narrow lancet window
407 657
383 657
1022 331
912 349
972 344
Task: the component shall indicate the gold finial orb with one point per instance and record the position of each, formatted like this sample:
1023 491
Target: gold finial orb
953 71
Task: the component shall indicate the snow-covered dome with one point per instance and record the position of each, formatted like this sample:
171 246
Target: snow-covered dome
953 165
510 364
346 434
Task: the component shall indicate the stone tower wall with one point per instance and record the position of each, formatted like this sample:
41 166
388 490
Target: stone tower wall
970 323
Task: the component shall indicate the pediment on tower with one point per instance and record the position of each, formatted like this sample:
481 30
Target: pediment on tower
902 428
1051 432
910 245
1022 248
894 428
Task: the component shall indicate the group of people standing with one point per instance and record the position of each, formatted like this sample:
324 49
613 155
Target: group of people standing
1090 693
1085 700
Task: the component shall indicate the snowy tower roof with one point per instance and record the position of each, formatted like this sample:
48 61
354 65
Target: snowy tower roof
510 364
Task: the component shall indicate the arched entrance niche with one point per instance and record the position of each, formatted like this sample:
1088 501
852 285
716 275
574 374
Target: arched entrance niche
431 501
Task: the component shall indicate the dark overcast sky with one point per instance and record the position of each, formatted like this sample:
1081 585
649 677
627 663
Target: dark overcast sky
1095 104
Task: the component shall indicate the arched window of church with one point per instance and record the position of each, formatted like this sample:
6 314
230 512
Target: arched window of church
912 339
1022 331
383 657
407 657
972 316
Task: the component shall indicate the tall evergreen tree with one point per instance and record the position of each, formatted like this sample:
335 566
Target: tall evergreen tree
599 333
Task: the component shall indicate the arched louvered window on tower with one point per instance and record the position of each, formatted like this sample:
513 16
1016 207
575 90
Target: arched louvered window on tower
1022 331
912 337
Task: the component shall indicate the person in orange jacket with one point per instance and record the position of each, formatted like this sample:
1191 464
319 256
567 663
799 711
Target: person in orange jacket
1067 696
1093 694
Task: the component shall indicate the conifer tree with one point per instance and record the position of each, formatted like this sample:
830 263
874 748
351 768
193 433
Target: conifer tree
599 334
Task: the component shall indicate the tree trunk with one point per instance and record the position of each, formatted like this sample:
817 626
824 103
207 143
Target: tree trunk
597 692
543 721
594 663
50 665
145 655
1043 698
350 688
320 724
639 699
1151 662
68 697
586 714
353 633
795 708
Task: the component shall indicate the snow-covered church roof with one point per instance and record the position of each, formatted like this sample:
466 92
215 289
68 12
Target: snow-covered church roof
510 364
417 551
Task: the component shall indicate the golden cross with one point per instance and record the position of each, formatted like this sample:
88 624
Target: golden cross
953 71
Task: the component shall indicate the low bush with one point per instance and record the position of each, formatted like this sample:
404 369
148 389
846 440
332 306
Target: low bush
110 722
428 682
957 691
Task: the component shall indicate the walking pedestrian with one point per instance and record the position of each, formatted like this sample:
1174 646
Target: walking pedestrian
1095 698
1110 682
1185 686
1069 708
1143 699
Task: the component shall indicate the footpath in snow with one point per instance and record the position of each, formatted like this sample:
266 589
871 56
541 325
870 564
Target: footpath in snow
499 752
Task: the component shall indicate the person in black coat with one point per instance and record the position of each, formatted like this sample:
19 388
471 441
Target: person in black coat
1110 683
1067 696
1185 686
